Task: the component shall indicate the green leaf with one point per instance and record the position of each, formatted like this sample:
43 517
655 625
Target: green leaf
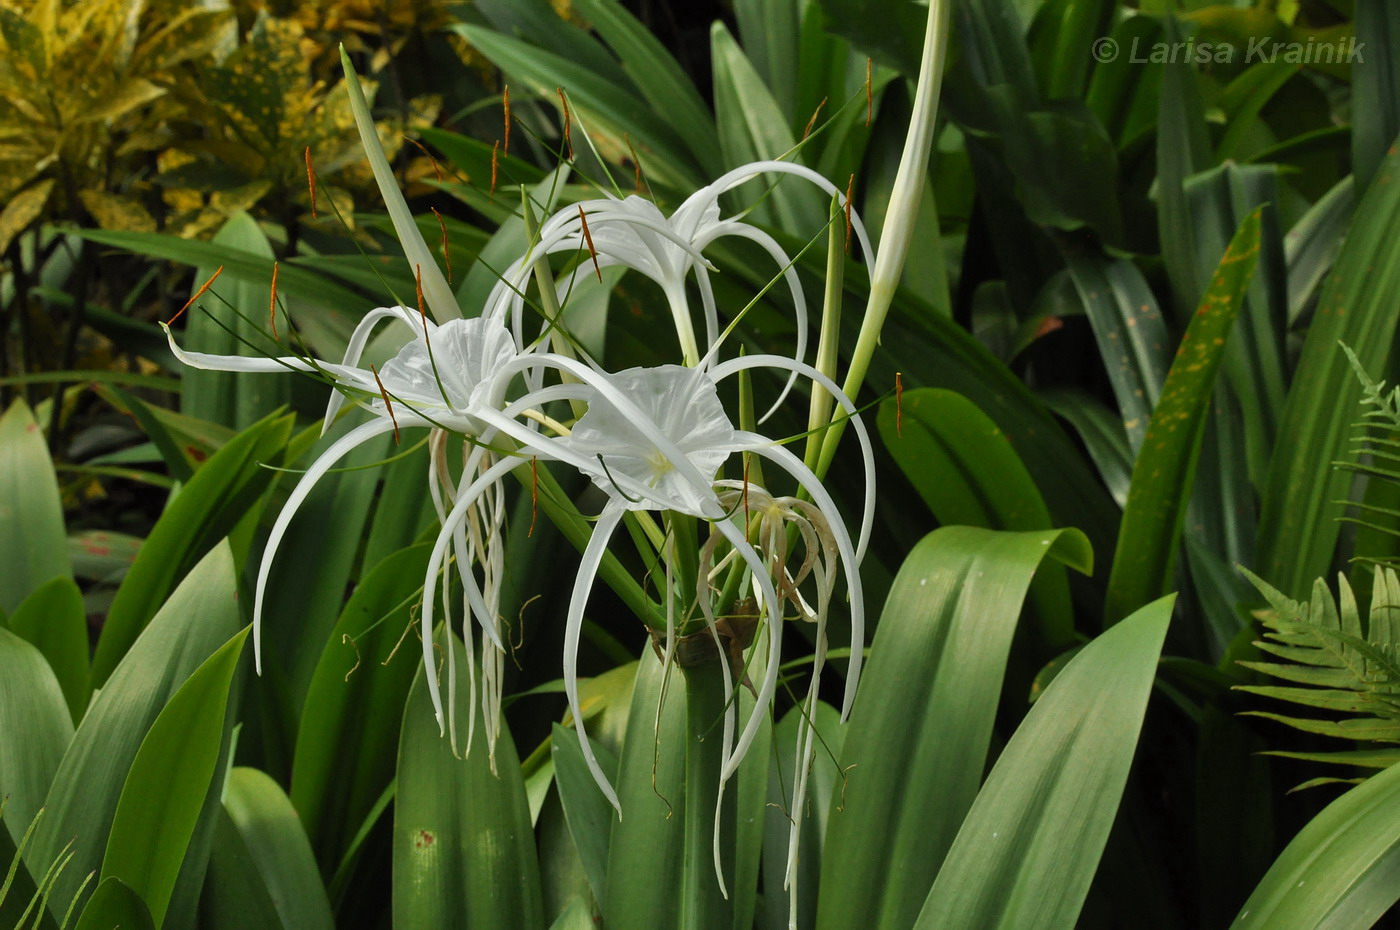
350 720
586 809
199 617
1129 331
645 847
464 853
1301 501
1341 869
54 619
751 127
918 736
168 780
611 111
1165 467
436 291
662 82
1376 88
823 794
1183 148
35 729
262 875
115 905
233 399
1029 847
224 490
962 466
33 548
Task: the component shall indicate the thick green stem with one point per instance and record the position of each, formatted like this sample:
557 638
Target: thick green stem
703 905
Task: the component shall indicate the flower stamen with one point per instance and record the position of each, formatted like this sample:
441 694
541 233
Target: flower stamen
311 181
495 151
568 122
197 294
388 404
446 255
807 130
588 238
899 404
506 101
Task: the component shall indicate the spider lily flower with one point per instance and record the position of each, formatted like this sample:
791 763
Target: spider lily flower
655 439
443 379
634 233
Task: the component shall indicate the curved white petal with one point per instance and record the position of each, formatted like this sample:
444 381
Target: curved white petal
356 347
360 434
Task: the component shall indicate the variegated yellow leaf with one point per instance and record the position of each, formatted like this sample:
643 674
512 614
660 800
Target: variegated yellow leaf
113 211
23 209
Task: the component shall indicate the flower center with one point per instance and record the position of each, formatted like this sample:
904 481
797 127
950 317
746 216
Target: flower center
659 464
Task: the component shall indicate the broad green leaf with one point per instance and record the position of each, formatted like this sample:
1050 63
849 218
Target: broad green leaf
1029 847
1302 499
464 853
199 617
170 776
1074 25
1102 433
586 808
751 127
115 905
317 560
1376 88
918 736
772 36
54 620
1183 148
350 721
1341 869
1129 331
1315 240
649 839
823 795
609 110
222 493
33 548
661 81
436 292
35 729
969 475
236 400
262 875
1165 467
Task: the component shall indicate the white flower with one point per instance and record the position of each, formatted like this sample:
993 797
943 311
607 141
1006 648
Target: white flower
442 379
633 232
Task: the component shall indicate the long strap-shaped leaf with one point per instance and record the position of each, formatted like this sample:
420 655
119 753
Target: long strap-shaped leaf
1162 475
436 291
1030 846
916 746
1300 504
1341 869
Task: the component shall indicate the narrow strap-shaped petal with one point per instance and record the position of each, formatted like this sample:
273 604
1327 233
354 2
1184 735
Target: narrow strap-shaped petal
435 560
793 466
744 173
357 436
573 626
725 369
352 377
356 347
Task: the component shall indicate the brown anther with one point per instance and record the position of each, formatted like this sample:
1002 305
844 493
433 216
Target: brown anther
197 294
850 186
272 303
807 130
636 163
495 151
388 404
506 97
588 238
437 169
869 95
899 404
446 255
534 494
311 181
418 286
568 137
